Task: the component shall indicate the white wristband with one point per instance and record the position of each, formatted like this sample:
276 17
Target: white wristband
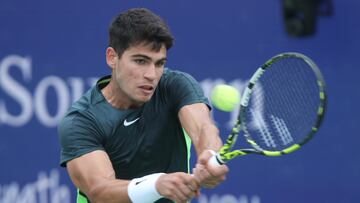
143 190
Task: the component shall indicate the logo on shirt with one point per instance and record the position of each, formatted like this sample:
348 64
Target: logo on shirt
127 123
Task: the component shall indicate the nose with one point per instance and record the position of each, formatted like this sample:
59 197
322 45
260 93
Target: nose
150 73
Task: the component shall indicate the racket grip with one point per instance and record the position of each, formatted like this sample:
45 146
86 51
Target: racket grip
214 160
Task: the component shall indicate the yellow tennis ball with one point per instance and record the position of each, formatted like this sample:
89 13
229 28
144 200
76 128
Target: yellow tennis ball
225 97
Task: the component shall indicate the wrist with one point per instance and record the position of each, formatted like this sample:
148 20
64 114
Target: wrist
212 152
143 190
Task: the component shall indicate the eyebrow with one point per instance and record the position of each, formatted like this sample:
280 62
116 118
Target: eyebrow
147 57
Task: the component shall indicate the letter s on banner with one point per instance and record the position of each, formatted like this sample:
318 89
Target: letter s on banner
15 90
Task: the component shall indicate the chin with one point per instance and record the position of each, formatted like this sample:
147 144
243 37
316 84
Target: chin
143 99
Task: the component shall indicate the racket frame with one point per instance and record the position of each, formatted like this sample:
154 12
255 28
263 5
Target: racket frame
225 154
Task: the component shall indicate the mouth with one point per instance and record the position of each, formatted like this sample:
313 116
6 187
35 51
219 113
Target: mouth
148 89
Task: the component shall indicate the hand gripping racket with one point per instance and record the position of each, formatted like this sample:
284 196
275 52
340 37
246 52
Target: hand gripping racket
281 108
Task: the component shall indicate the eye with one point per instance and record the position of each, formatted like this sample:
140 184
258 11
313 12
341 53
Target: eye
140 61
160 63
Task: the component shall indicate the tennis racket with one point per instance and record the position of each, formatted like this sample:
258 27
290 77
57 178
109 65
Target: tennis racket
281 108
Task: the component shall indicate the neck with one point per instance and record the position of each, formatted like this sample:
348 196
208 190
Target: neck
117 98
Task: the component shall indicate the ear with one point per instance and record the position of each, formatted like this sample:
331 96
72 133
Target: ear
111 57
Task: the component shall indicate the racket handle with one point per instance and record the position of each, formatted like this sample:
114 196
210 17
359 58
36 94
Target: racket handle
214 160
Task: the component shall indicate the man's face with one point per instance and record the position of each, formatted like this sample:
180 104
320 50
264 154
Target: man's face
138 71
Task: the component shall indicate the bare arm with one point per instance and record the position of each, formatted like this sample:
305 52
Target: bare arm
93 174
197 122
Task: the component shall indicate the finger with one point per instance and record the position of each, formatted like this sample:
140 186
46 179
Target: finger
202 172
185 192
191 180
176 195
217 170
198 193
210 184
211 181
216 179
208 178
194 185
187 186
169 186
205 156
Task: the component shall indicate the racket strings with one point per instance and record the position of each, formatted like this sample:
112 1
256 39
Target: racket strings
283 105
303 92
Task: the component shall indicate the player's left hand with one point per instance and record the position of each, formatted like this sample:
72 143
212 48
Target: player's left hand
209 176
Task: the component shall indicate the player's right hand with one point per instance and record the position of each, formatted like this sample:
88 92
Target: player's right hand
179 187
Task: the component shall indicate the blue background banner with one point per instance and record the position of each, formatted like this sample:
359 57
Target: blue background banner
53 51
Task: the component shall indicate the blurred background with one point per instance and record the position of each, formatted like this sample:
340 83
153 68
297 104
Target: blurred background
53 51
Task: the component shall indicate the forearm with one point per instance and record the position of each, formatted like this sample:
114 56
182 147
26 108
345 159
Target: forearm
112 191
179 187
93 174
197 122
207 139
208 175
129 191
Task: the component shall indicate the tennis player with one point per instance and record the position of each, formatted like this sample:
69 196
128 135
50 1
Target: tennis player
124 140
